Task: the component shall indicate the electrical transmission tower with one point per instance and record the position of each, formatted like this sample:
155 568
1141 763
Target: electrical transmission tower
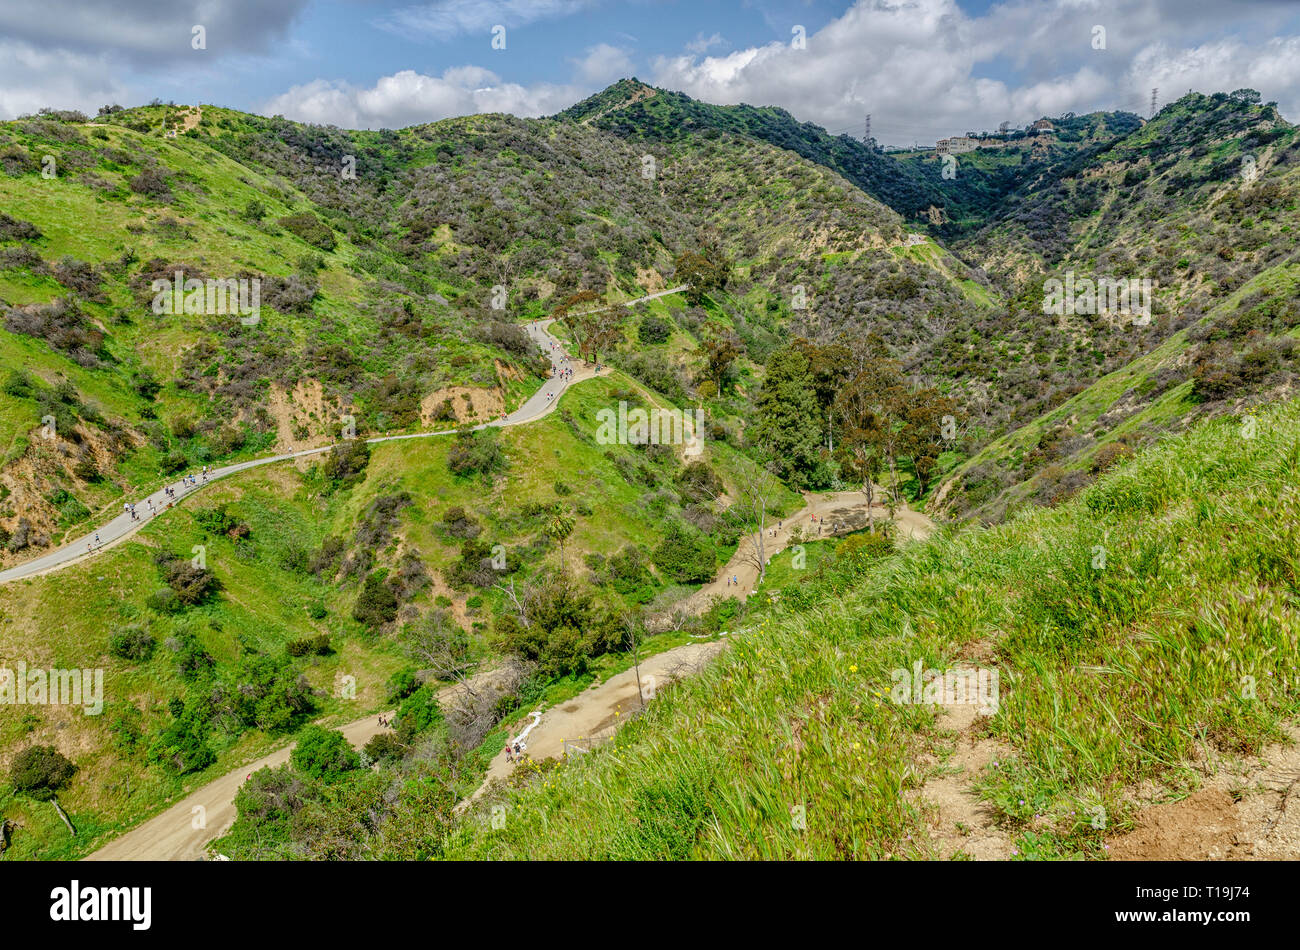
1154 92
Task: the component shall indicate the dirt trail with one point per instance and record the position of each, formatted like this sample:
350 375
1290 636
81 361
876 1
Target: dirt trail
172 835
836 512
596 713
958 821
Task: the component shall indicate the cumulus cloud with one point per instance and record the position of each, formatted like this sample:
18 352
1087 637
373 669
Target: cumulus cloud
924 69
603 64
410 98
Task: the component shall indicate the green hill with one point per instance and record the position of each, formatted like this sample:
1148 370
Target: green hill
1121 625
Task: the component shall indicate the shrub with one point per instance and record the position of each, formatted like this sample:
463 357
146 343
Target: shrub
190 657
309 228
318 645
698 482
132 643
19 385
401 684
346 464
1109 454
418 713
192 584
384 747
182 745
324 754
377 603
685 555
40 771
460 524
477 452
654 329
153 183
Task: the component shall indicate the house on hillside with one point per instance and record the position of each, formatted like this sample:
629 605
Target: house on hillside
956 145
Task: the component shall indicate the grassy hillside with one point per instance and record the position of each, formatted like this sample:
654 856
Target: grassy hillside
1221 176
292 552
1121 623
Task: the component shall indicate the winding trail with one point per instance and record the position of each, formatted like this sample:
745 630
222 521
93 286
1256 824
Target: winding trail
592 716
123 526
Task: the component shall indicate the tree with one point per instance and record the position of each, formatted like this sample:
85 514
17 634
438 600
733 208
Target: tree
324 754
39 771
720 351
702 272
558 530
788 429
634 627
377 603
756 494
923 417
831 367
868 410
438 644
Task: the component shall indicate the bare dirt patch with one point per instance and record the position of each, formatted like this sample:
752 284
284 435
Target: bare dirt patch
1247 810
958 822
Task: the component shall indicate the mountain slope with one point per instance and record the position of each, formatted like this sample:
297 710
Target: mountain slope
1120 624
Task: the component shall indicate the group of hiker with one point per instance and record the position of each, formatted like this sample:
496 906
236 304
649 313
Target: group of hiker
129 507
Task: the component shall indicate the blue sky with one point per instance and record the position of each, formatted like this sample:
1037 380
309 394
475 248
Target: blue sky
922 68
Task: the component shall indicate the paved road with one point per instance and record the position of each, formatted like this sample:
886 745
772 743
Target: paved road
124 525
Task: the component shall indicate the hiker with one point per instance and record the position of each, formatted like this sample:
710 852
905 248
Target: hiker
510 754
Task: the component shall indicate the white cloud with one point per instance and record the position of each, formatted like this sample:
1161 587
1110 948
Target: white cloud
410 98
924 69
702 43
31 78
603 64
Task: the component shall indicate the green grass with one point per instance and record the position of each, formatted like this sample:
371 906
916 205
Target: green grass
1110 676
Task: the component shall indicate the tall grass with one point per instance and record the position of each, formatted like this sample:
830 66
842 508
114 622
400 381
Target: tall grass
1141 631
